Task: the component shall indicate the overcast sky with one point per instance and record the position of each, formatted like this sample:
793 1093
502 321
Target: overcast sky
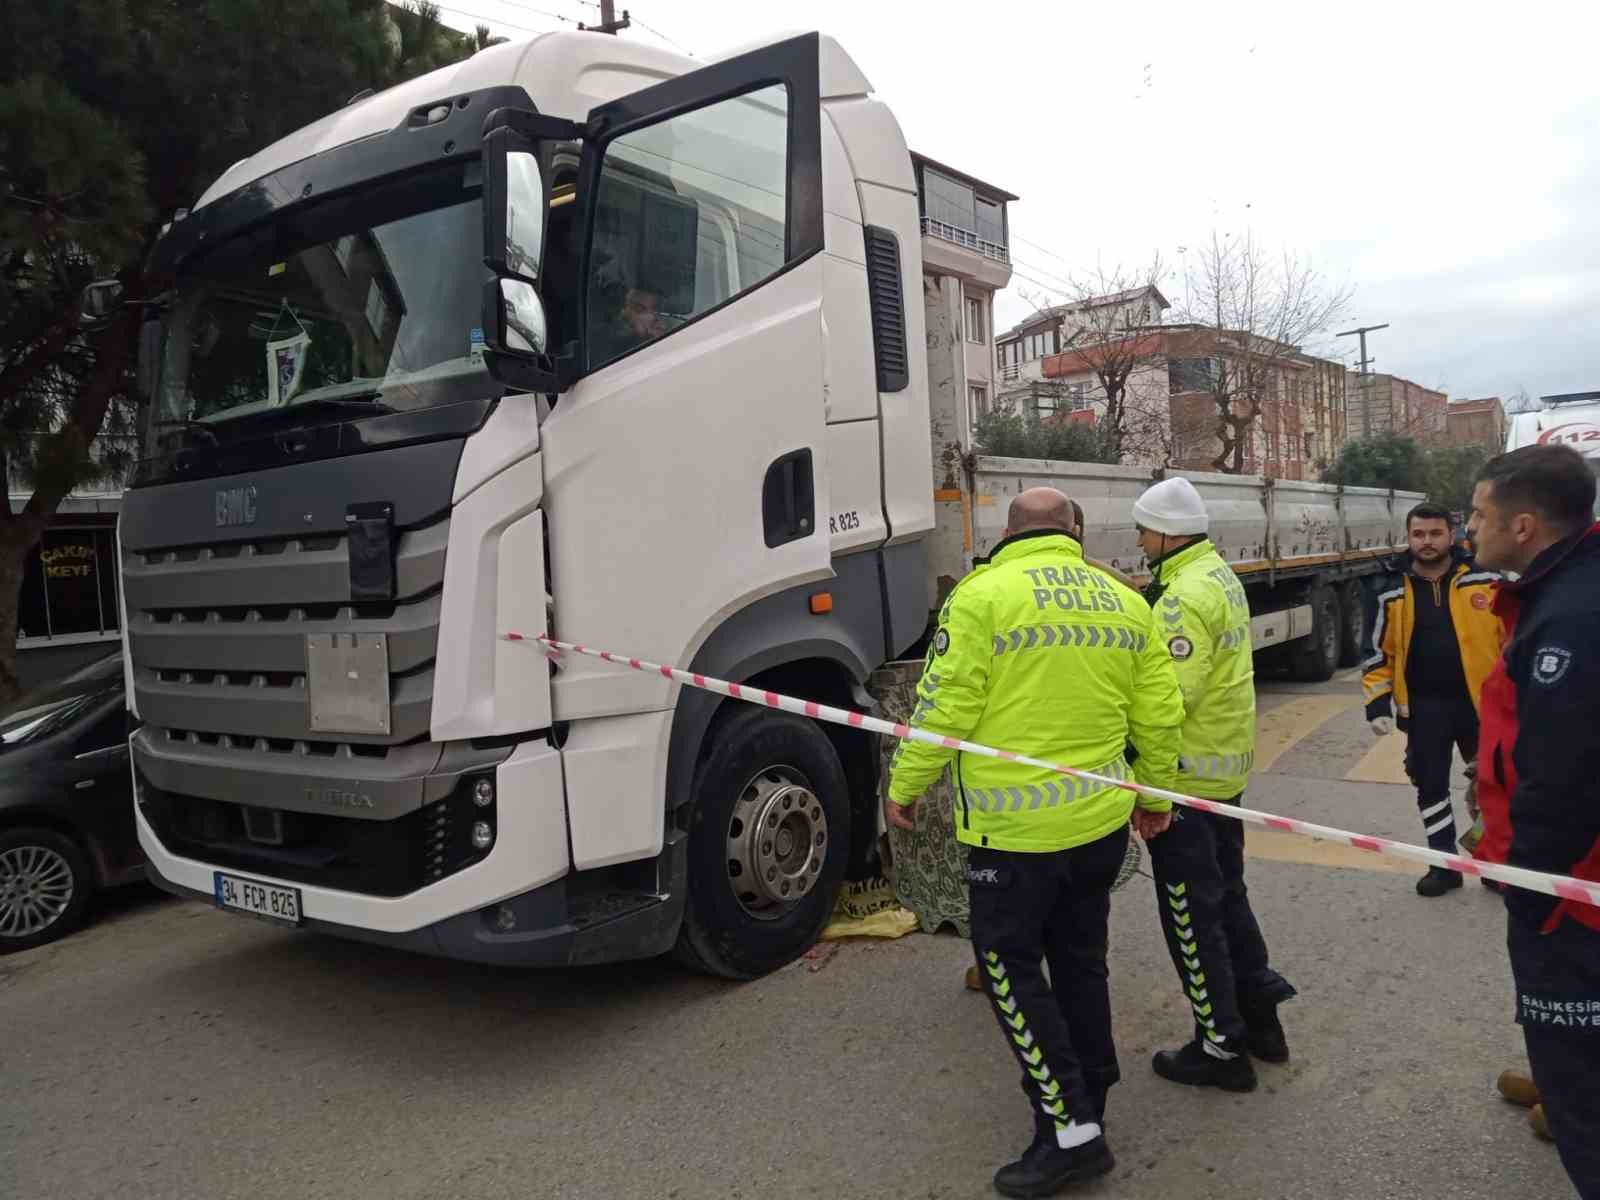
1444 163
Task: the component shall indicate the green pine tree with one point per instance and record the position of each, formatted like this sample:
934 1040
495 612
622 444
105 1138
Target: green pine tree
113 114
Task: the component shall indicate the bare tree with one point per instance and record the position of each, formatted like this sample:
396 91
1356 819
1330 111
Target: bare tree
1248 315
1520 402
1111 320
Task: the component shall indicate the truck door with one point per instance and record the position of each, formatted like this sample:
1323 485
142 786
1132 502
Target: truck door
685 470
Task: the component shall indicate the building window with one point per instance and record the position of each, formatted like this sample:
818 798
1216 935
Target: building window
1192 375
69 585
991 222
975 331
948 201
978 399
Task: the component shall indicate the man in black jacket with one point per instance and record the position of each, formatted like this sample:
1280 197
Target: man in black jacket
1539 771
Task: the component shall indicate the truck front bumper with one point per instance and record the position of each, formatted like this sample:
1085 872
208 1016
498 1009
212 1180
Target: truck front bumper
521 904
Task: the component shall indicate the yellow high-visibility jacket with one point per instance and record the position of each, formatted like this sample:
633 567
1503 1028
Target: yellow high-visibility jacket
1204 622
1478 634
1039 653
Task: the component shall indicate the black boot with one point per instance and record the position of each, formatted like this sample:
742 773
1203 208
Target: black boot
1045 1168
1264 1035
1193 1066
1438 881
1263 1032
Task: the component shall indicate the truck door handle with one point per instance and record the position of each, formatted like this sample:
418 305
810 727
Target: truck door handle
788 499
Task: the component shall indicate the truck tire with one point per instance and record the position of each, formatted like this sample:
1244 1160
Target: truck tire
45 886
1315 658
1352 625
769 837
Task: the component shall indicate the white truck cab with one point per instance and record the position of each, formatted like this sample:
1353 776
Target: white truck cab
575 335
1568 420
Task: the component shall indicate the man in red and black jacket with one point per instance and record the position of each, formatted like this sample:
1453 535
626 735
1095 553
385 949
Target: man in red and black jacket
1539 770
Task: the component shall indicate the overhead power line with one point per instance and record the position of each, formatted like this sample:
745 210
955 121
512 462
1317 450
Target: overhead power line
663 37
461 12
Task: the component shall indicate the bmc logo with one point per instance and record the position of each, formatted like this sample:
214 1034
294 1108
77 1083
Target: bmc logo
236 506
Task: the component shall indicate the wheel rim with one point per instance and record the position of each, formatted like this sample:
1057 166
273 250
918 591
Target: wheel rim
777 842
36 888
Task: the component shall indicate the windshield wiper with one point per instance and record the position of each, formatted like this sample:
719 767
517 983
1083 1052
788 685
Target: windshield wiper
196 427
368 401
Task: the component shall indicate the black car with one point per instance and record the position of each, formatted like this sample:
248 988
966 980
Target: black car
66 804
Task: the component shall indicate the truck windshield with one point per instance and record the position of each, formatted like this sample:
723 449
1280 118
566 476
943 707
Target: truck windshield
368 302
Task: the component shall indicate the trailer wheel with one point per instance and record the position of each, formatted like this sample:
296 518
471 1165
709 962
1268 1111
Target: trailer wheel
1352 625
1315 658
769 837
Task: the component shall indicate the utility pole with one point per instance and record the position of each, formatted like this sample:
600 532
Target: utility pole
1366 375
608 19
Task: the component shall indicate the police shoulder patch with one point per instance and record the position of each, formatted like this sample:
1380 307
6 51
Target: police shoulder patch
1180 647
1550 663
941 640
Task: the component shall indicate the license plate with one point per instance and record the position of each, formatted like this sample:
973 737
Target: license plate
347 682
265 900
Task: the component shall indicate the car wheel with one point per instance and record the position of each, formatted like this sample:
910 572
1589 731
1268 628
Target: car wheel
45 885
769 837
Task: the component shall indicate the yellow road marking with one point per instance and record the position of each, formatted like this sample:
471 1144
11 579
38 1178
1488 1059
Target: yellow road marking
1293 848
1280 728
1384 763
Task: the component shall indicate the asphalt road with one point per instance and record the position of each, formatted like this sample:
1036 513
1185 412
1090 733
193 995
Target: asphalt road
169 1050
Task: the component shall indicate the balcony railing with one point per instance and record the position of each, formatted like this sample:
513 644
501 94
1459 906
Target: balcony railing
966 239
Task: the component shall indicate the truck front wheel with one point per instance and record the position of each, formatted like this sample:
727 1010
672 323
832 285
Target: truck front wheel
769 837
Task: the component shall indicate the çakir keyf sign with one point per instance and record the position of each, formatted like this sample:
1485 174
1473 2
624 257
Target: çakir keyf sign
68 562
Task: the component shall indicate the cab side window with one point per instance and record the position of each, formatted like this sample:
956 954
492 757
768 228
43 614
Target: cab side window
689 213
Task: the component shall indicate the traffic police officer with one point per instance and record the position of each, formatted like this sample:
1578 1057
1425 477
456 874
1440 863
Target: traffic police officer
1203 621
1041 654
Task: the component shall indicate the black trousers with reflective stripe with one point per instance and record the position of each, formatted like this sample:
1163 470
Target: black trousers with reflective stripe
1435 726
1029 908
1211 930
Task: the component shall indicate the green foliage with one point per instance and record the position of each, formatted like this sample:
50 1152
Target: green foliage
1388 460
1451 473
114 113
1007 433
1385 460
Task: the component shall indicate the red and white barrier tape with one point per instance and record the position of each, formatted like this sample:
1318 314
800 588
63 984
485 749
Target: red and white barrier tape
1567 888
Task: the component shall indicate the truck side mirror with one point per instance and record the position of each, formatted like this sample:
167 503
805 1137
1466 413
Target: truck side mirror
518 325
515 203
99 302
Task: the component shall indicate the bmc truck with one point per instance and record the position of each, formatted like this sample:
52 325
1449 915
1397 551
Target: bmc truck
581 336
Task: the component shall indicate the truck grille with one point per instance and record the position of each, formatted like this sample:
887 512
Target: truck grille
218 635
